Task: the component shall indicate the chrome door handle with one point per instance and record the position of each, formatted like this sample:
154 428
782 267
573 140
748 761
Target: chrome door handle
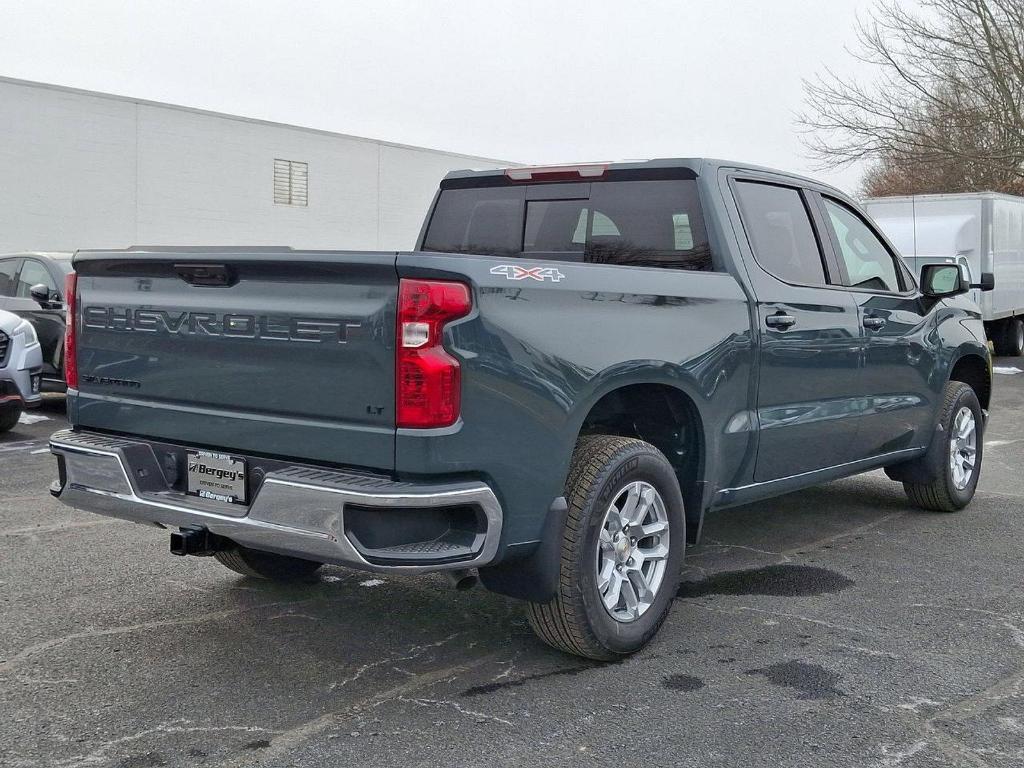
874 323
780 320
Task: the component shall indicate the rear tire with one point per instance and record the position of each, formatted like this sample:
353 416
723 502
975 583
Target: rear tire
1009 338
953 461
9 416
601 609
266 565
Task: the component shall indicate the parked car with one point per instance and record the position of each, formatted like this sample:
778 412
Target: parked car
982 232
32 285
572 369
21 363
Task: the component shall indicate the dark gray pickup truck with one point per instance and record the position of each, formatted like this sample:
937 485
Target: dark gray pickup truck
574 367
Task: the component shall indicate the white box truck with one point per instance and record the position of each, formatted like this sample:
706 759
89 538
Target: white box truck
983 232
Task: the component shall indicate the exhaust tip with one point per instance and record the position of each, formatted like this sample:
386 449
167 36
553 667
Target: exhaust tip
463 579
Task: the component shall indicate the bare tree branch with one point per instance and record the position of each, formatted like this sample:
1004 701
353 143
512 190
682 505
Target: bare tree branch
946 111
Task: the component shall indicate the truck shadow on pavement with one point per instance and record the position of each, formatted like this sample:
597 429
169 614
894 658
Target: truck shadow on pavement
746 551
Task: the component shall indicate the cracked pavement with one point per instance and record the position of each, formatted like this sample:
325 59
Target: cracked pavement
835 626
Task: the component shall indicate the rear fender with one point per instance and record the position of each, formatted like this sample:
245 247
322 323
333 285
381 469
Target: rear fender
534 575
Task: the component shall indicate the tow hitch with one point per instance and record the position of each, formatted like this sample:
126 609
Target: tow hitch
197 541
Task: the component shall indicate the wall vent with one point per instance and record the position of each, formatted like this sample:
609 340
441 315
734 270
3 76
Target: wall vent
291 183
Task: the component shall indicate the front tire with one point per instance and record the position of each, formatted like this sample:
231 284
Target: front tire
266 565
954 456
9 416
622 550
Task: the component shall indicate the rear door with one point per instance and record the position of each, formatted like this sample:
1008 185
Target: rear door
899 353
808 391
275 352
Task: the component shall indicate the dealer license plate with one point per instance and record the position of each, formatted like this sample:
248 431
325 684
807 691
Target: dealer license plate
216 476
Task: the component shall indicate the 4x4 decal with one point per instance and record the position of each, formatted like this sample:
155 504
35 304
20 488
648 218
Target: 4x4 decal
515 272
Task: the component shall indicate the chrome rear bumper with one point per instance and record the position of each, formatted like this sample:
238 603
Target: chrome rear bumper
298 511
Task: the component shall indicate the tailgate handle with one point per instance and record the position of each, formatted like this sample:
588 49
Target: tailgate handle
217 275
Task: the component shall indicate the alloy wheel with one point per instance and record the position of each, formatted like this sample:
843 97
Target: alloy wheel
632 551
963 447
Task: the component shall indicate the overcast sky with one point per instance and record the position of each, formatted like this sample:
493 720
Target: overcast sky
523 80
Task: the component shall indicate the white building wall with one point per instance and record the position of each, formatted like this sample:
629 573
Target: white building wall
84 170
67 169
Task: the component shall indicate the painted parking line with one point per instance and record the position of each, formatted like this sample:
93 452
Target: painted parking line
22 445
999 443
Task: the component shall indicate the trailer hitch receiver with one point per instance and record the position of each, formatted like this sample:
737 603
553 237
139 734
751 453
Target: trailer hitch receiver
197 541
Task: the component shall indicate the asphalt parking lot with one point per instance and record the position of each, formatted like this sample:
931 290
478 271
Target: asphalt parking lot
831 627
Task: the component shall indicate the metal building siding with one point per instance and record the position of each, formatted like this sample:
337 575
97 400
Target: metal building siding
68 170
223 193
85 170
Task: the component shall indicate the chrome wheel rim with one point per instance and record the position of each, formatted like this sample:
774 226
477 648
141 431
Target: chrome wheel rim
963 448
632 551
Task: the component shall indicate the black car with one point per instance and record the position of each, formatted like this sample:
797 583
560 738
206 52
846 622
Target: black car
32 286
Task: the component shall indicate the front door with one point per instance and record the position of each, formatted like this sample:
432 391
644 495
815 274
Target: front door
809 385
899 350
47 319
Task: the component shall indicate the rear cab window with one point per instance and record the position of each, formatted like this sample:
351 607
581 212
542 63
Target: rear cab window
628 222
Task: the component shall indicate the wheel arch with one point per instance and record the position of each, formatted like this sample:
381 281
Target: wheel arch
973 370
664 414
970 368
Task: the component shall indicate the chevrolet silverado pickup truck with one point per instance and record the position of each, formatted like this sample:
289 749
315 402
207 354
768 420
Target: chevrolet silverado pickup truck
574 366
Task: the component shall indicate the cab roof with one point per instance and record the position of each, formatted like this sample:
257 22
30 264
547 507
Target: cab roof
691 167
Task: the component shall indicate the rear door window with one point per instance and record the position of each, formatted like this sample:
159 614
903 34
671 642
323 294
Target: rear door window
8 273
647 223
779 228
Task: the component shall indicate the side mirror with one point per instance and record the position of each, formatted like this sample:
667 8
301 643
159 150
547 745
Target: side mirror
988 282
942 280
40 293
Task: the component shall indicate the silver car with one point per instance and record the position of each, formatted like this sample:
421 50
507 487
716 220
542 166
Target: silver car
21 366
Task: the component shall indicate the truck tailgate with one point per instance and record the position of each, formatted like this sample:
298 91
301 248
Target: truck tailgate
265 351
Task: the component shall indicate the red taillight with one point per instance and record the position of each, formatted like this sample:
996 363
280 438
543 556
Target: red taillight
70 342
428 384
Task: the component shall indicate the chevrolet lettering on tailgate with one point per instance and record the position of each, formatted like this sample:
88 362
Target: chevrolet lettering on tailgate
242 326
